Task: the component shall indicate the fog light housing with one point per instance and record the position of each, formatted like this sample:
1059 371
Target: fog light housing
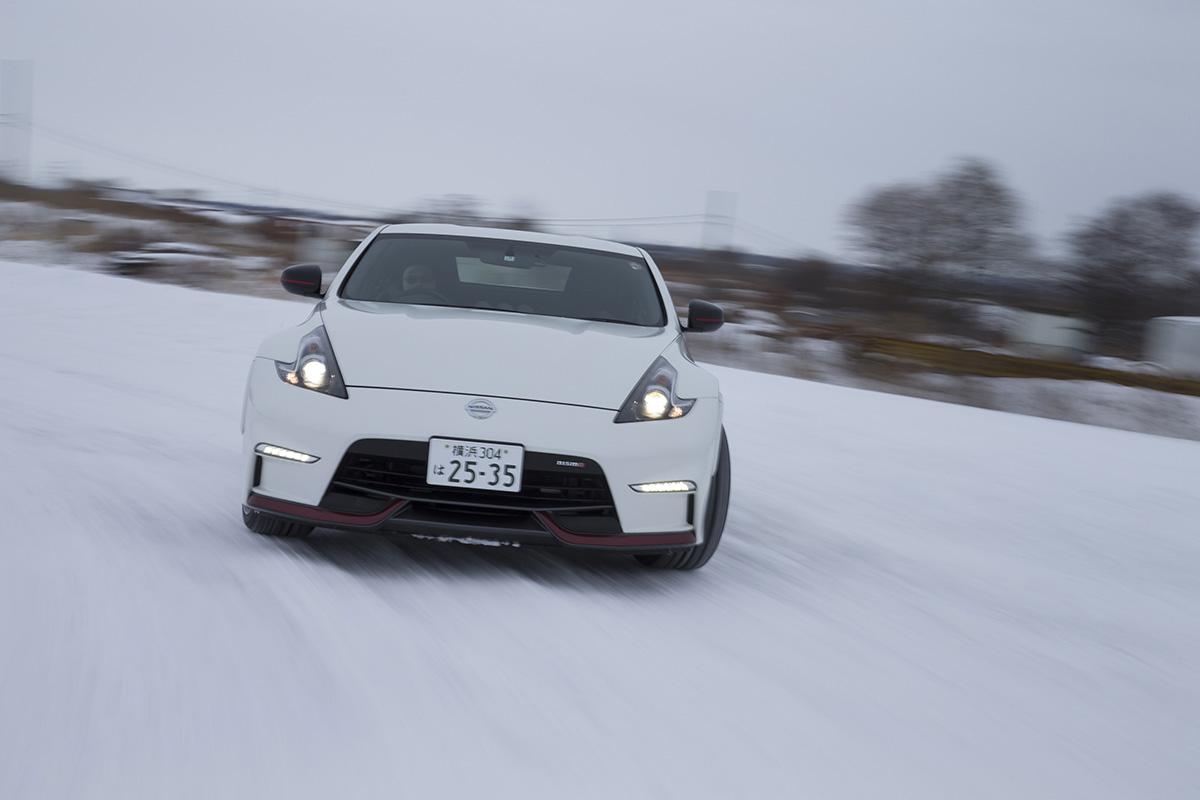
264 449
663 487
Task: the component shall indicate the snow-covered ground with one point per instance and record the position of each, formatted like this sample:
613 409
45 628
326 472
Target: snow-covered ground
913 599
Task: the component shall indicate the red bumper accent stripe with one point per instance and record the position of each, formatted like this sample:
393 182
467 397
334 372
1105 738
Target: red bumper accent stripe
615 540
320 514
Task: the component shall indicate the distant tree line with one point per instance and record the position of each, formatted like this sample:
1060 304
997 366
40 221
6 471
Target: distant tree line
960 233
1135 259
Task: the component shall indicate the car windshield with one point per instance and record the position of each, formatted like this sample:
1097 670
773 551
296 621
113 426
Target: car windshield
503 275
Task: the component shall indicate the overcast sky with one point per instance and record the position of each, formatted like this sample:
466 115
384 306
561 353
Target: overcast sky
622 109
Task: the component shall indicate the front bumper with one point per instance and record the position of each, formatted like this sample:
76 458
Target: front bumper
329 427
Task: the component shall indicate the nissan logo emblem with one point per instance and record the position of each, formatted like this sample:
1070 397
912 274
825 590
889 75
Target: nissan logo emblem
480 408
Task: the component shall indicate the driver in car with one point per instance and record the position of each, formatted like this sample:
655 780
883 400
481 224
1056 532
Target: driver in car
418 280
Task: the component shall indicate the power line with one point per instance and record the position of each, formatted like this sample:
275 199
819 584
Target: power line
90 144
618 220
761 231
621 223
660 220
86 144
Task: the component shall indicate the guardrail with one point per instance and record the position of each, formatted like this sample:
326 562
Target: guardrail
947 358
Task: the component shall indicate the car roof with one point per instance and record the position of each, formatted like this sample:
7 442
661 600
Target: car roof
508 234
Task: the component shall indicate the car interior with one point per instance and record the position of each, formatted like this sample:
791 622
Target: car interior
506 276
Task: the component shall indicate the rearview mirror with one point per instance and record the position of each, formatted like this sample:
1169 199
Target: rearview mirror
303 279
704 317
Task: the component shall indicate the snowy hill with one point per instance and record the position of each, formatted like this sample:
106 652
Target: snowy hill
912 600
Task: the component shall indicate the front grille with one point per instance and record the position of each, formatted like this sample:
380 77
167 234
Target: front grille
374 469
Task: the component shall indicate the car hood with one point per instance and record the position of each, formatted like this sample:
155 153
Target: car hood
490 353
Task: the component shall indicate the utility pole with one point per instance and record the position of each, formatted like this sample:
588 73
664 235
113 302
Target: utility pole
16 119
720 217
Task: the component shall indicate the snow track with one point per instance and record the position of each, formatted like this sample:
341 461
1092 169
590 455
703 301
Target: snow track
912 600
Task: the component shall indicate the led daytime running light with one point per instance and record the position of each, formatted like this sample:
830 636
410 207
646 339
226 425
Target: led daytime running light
663 487
274 450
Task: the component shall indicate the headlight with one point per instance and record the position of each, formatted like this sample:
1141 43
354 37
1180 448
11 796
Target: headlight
654 396
313 374
315 367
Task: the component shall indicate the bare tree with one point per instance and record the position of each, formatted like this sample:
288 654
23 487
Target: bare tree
979 219
1146 240
966 217
894 226
1135 249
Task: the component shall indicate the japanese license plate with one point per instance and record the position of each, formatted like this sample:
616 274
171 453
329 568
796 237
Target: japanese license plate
475 465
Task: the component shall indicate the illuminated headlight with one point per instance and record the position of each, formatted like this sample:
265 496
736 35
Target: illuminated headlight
654 396
314 374
264 449
664 487
655 404
315 367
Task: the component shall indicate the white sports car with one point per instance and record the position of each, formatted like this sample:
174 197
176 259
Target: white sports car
490 385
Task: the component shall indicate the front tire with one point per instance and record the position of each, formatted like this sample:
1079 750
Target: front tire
270 525
698 555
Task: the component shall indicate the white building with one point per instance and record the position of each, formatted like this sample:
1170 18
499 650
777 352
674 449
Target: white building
1051 336
1174 343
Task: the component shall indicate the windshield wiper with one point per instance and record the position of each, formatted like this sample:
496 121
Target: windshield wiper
606 319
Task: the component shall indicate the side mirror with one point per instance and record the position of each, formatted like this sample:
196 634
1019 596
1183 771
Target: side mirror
704 317
303 279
